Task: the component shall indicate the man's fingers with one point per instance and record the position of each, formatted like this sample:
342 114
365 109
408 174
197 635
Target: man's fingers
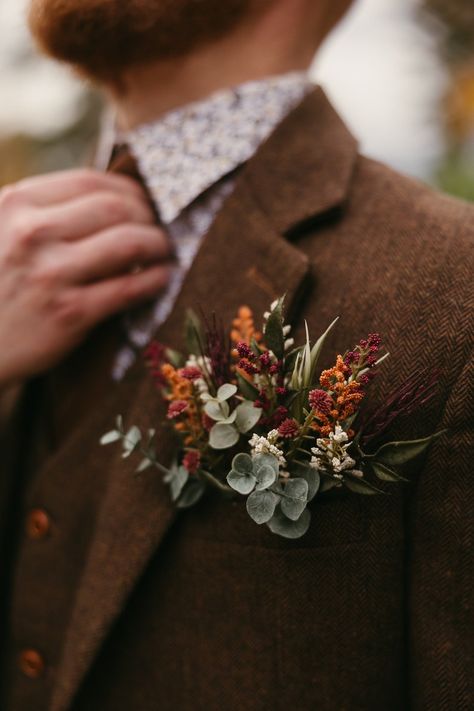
115 251
66 185
88 215
109 297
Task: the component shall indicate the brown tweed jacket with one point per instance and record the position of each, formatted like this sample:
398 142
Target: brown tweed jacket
134 607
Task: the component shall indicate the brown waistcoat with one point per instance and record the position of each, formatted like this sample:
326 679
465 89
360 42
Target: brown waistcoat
134 607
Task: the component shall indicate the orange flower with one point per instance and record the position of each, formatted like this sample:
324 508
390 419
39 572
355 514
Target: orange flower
182 391
244 327
346 397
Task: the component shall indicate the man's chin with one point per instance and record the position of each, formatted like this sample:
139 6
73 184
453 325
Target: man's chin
101 38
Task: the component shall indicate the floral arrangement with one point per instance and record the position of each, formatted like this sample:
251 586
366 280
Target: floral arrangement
254 418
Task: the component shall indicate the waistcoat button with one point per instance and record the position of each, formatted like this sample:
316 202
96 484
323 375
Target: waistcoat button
38 524
31 663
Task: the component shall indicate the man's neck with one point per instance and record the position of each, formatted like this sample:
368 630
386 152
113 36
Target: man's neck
148 92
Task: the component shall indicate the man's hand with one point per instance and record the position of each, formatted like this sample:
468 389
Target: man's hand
69 243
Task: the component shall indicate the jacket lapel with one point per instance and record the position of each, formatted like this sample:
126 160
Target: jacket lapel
244 259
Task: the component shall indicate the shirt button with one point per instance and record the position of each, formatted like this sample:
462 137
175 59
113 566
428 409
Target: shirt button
38 524
31 663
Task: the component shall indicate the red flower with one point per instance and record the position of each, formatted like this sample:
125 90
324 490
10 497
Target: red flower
320 401
192 460
289 428
176 408
190 373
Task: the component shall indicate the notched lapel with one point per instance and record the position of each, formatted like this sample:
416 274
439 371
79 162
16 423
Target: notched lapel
242 260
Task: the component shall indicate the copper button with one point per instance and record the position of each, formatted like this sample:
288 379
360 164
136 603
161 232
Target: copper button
31 663
38 524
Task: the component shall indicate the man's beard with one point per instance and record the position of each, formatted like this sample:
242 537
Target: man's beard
103 37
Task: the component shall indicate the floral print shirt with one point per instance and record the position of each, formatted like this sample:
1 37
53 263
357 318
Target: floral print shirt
188 159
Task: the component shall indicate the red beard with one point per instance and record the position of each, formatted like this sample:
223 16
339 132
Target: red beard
103 37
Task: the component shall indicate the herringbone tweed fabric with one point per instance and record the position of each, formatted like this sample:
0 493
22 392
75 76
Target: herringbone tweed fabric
135 607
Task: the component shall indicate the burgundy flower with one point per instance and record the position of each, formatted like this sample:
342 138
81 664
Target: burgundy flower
265 359
192 460
289 428
248 367
320 401
176 408
244 351
191 373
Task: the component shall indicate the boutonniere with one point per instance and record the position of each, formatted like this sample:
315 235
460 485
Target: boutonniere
254 418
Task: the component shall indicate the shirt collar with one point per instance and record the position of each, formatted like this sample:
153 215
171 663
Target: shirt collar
188 150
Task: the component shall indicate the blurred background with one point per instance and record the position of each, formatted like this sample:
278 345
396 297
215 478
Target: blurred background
401 72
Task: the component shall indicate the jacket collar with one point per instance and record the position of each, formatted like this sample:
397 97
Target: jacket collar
303 171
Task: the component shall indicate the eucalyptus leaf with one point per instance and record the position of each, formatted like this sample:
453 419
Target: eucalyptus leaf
243 463
144 464
395 453
223 436
265 477
295 498
191 494
247 416
217 410
242 482
266 460
178 481
311 476
261 505
119 423
383 472
283 526
110 437
226 391
132 438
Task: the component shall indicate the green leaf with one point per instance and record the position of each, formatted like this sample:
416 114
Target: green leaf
361 486
226 391
261 505
194 334
110 437
217 410
265 460
131 441
191 494
144 464
179 478
311 476
273 332
265 476
243 463
223 436
242 482
246 388
384 473
283 526
318 347
295 498
247 416
395 453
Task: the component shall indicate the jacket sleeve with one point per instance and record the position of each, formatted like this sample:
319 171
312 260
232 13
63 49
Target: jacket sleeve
441 565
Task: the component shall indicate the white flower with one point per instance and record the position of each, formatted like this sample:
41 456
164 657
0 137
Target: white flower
204 365
339 435
265 445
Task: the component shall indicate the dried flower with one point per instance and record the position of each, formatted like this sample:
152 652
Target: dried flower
289 428
320 401
192 461
176 408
